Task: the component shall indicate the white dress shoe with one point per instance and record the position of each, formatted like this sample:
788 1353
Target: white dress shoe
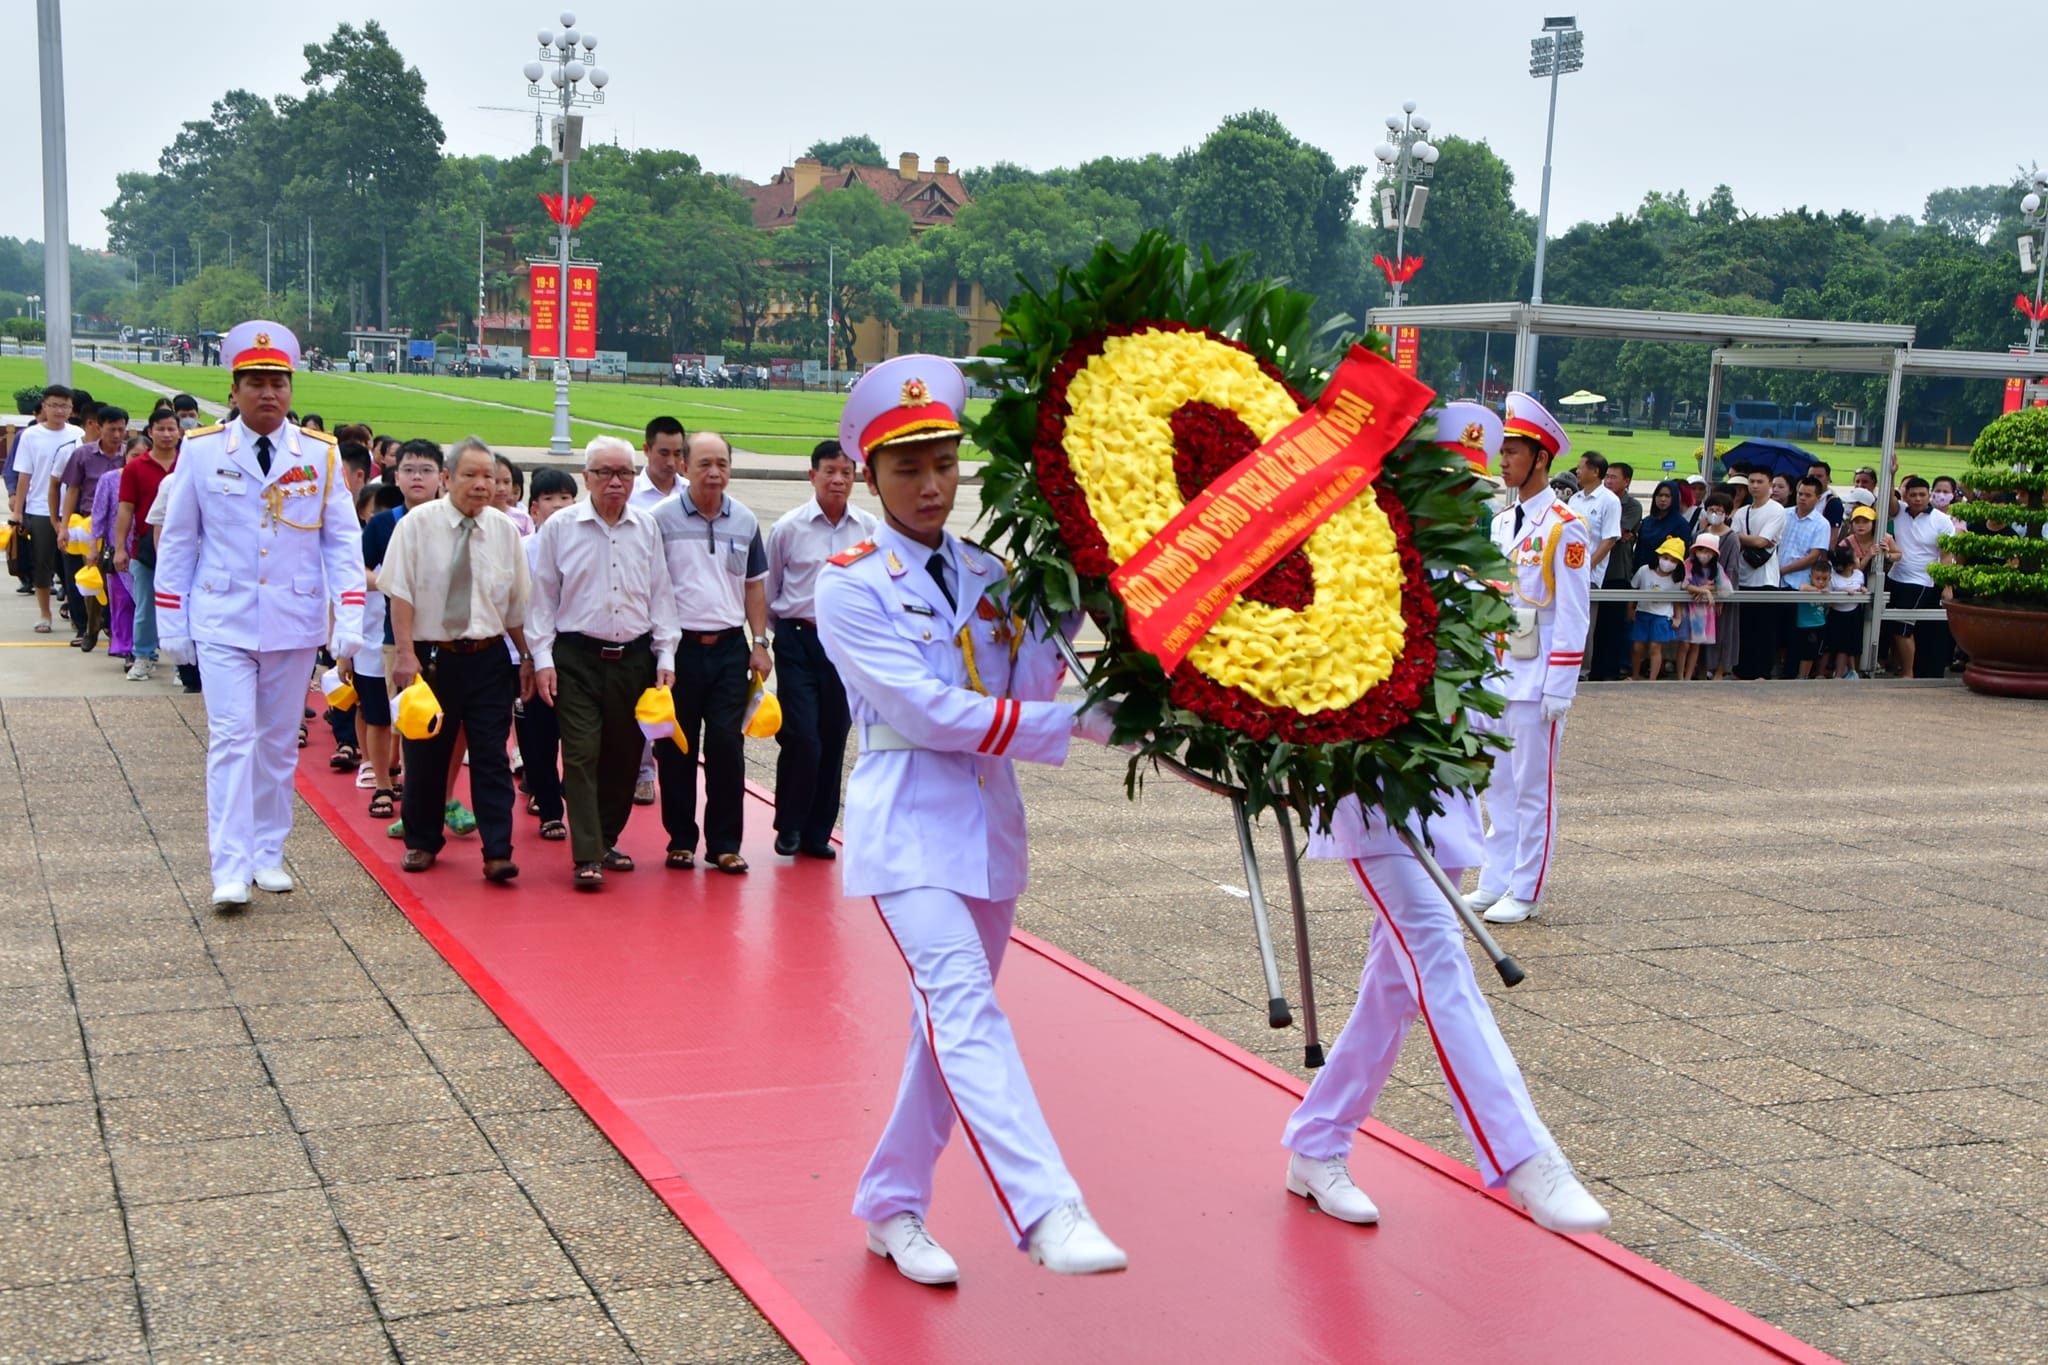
1329 1185
230 895
275 879
1546 1186
1508 910
1068 1241
1482 900
902 1238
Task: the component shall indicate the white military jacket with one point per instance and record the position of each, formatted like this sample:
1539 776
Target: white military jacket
947 813
1549 555
257 561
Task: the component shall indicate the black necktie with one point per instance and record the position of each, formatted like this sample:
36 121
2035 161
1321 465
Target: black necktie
263 453
936 567
1518 518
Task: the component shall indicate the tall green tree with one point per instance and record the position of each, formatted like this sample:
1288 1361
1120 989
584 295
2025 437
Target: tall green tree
858 150
1253 187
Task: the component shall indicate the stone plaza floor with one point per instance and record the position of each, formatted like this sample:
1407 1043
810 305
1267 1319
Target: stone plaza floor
1785 1010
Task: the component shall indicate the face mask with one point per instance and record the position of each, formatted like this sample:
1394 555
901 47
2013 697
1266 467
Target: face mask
1943 499
1668 564
1714 518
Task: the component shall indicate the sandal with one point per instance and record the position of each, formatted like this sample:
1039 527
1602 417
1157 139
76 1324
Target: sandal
553 829
731 862
344 758
533 805
42 627
680 857
589 876
383 804
302 734
615 861
458 818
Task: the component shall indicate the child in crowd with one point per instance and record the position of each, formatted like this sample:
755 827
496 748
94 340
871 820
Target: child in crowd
378 746
540 738
1702 577
1842 640
1809 619
1652 620
508 486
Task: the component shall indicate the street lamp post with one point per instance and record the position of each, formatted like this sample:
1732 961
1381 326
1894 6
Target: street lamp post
1561 50
2034 214
1408 156
566 62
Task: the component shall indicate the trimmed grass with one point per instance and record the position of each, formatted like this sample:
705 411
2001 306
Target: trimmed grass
1647 450
20 372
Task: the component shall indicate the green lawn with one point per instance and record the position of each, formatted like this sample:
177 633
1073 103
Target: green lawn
1647 450
21 372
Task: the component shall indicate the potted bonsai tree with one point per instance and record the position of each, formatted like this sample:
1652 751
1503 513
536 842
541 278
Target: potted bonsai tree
1999 611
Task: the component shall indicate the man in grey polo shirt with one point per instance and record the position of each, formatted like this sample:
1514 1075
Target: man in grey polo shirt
719 569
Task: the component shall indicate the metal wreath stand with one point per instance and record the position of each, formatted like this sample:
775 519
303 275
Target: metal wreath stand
1278 1015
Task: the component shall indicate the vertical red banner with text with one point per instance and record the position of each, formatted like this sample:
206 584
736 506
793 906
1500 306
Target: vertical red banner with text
1407 348
2015 394
545 285
582 312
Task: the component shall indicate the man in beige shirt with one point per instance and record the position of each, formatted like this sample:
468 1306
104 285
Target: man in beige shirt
457 581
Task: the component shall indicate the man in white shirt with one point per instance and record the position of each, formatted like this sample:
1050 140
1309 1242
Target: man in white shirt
718 568
39 455
1757 529
601 630
455 575
1600 509
815 719
660 479
1924 648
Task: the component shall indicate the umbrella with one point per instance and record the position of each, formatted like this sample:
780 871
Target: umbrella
1581 399
1772 457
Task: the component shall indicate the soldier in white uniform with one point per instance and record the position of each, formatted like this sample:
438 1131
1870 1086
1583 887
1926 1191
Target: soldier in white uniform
259 554
1548 546
1417 965
946 689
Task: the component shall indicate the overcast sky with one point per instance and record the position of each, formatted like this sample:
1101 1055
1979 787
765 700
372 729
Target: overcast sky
1791 102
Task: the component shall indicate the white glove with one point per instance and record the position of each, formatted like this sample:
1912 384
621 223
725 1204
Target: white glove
1094 723
344 645
175 649
1555 707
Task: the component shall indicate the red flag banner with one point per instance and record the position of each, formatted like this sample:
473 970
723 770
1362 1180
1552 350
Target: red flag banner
544 283
1180 581
2015 394
582 312
1407 348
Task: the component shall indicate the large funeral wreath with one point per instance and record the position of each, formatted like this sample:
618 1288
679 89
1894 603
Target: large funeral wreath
1352 664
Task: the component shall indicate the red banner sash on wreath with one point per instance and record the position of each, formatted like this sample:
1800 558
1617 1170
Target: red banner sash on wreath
1181 580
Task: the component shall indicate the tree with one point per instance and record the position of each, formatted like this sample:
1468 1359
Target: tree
1029 231
1253 187
858 150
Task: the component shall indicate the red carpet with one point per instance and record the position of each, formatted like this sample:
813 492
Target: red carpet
739 1039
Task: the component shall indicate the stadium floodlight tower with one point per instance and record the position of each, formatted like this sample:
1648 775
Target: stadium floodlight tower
1560 50
1409 158
567 62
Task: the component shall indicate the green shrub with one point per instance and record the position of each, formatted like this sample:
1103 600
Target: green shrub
25 400
2010 456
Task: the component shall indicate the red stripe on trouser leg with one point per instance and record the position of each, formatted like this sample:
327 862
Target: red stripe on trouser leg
1422 1002
1549 812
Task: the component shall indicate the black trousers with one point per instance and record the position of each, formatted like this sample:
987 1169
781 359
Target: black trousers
711 703
476 692
815 722
601 740
1766 620
1611 653
540 745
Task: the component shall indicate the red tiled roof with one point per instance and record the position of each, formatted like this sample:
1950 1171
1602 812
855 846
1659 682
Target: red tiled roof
930 200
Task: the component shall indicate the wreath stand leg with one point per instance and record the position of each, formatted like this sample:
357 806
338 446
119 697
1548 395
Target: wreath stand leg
1510 974
1277 1013
1312 1052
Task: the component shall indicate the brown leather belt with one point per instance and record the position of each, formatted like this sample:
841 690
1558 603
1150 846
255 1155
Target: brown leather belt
803 621
706 639
469 646
603 649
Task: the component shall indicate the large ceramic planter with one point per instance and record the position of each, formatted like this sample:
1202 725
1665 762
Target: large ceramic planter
2008 649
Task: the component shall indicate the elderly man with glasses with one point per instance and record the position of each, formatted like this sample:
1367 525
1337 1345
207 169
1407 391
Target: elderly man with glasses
602 627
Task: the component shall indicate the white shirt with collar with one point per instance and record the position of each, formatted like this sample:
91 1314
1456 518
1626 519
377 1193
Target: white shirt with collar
799 543
647 497
609 582
1918 547
417 562
1601 511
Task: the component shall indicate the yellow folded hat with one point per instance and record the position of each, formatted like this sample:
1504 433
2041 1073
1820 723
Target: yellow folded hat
90 579
77 534
419 712
656 712
6 534
339 693
764 713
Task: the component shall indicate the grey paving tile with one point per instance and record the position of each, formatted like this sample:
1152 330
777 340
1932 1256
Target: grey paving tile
336 1059
515 1334
39 1083
296 1022
60 1247
164 1031
209 1170
394 1151
698 1322
75 1320
157 1073
229 1300
508 1090
361 1344
1728 1201
96 998
1976 1327
474 1049
73 1181
48 1129
546 1137
618 1232
241 1228
194 1116
373 1099
1853 1261
1860 1337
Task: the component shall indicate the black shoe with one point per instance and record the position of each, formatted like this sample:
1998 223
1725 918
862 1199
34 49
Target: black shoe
822 852
786 845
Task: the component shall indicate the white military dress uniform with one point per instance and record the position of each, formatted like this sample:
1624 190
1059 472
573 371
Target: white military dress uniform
252 569
944 697
1548 546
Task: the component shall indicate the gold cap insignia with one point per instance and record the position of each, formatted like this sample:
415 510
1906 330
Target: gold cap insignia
1474 435
263 338
915 393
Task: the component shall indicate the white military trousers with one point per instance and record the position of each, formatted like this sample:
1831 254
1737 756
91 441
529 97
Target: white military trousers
962 1061
1522 801
1417 966
255 699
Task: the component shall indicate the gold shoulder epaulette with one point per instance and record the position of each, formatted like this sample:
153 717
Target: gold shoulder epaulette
316 435
216 428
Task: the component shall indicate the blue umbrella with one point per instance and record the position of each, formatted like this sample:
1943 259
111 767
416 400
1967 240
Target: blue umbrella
1772 457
